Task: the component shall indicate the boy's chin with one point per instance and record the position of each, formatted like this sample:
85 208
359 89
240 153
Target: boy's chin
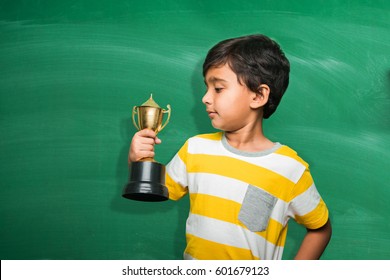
218 127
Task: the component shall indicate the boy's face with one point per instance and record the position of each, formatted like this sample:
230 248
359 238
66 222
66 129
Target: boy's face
228 103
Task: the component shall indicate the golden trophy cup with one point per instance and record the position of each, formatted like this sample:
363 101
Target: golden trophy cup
147 177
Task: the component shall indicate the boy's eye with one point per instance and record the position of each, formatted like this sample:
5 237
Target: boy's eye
218 90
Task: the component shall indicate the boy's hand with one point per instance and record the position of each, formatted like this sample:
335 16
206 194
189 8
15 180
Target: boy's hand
142 145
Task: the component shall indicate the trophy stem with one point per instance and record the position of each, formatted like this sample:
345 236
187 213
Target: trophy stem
147 182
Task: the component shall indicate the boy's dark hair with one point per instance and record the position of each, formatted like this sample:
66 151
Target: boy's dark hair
256 60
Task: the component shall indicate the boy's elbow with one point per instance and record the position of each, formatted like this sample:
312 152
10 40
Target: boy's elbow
326 232
328 229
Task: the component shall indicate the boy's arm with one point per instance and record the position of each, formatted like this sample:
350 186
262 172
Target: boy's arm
314 243
142 145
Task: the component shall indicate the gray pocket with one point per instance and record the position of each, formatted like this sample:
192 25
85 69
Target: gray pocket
256 208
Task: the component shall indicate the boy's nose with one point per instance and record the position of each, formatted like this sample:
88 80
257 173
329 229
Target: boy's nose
206 98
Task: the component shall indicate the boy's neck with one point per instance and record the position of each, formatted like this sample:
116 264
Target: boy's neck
249 139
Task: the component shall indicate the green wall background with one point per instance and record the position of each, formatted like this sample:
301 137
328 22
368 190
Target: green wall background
70 72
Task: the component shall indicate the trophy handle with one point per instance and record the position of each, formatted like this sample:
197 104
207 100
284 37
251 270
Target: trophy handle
169 115
133 114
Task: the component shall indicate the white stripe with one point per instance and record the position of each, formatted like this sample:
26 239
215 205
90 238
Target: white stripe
216 185
228 234
177 171
188 257
206 146
305 202
283 165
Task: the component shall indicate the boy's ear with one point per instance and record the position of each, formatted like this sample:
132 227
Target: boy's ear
260 98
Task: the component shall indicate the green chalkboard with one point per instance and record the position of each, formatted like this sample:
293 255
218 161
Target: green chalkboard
71 71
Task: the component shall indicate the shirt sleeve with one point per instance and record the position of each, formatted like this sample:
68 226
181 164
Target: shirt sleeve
306 205
176 178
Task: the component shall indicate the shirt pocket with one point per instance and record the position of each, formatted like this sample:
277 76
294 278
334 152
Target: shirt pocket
256 209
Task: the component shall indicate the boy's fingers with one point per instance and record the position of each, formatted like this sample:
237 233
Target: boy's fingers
142 145
147 133
141 141
146 154
157 140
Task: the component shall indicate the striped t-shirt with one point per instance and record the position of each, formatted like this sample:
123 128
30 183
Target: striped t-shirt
240 202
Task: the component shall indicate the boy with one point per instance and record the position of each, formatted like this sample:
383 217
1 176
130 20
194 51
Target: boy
243 187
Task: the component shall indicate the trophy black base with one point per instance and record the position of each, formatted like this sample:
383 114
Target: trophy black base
146 183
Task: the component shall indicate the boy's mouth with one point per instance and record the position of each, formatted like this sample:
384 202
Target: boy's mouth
211 113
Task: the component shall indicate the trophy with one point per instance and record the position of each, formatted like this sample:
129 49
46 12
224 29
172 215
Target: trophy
147 177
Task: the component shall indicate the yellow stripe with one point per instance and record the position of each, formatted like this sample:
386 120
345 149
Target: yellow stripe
287 151
183 152
282 237
215 207
175 190
203 249
227 211
268 180
304 183
275 233
312 219
211 136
